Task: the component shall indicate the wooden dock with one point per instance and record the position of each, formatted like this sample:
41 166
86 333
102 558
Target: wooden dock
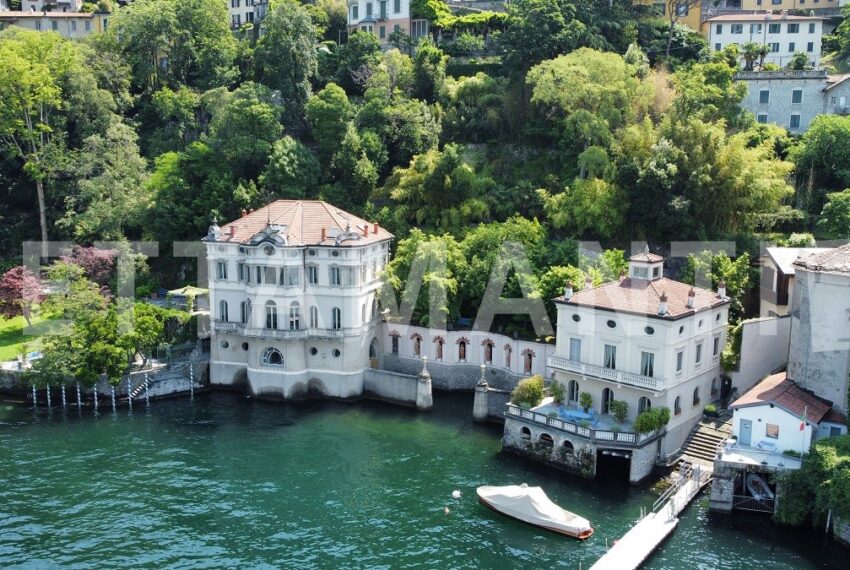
635 547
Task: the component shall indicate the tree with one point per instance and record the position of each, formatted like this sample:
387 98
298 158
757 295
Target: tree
835 217
528 391
96 264
357 58
750 51
20 290
112 196
393 75
822 159
708 91
590 207
799 61
675 9
429 71
286 57
292 171
553 281
717 268
328 114
406 127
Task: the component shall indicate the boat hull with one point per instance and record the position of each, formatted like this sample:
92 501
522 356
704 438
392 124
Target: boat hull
584 535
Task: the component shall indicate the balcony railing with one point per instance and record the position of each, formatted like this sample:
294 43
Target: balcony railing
626 439
611 375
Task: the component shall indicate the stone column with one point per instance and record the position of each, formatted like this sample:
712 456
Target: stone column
424 398
480 407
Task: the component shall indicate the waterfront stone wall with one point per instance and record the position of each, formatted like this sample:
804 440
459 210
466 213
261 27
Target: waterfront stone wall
393 386
643 461
569 453
496 402
764 350
453 376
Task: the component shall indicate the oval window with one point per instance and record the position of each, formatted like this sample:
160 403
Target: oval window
313 350
649 330
576 318
611 324
311 252
337 352
224 344
244 346
335 253
268 250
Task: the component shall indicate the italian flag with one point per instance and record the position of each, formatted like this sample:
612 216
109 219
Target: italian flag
803 418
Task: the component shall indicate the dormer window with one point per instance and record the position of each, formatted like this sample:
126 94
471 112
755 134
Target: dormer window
640 272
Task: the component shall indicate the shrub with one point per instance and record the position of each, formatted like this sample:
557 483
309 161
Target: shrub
710 409
652 420
529 391
556 389
585 400
467 43
620 409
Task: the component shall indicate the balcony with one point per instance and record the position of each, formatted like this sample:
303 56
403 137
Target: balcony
599 436
615 376
778 298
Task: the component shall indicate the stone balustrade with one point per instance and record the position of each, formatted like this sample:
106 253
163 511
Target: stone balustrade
616 376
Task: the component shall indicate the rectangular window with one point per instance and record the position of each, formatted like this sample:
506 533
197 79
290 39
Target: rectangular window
640 272
575 349
73 25
355 12
420 28
368 9
382 32
793 28
812 28
764 97
761 118
249 16
776 2
383 11
810 47
755 28
259 274
795 122
647 364
698 357
221 270
758 2
235 20
396 28
774 47
336 280
680 360
396 6
289 276
717 47
682 9
54 25
773 28
88 26
313 274
797 96
610 356
718 29
791 47
771 431
716 347
737 28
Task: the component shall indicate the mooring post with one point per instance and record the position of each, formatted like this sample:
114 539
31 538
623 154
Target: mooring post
79 398
34 397
129 392
48 396
191 381
64 402
112 391
94 396
147 387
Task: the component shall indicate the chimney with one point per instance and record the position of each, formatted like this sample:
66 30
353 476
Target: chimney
568 291
251 211
622 274
691 295
324 234
375 228
784 14
721 289
365 231
244 212
662 307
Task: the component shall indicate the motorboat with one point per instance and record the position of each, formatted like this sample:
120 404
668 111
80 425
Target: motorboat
531 505
757 487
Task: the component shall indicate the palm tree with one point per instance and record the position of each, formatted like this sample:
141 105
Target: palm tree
762 53
750 51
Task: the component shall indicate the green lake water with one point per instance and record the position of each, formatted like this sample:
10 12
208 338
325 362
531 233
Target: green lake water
225 481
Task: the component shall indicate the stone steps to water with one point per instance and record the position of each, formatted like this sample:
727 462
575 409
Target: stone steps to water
703 441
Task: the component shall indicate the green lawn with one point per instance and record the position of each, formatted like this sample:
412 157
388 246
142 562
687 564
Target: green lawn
13 339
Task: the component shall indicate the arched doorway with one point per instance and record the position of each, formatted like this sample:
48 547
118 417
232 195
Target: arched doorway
607 398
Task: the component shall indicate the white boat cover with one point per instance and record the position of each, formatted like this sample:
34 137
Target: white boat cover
531 505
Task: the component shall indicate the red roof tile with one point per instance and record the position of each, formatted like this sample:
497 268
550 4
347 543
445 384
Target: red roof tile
303 222
646 257
835 417
781 391
643 297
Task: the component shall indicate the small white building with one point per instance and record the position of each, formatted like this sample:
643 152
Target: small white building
777 415
71 25
383 17
783 34
241 12
53 5
293 296
777 278
644 339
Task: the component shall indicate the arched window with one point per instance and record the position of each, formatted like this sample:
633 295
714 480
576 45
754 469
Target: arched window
294 316
572 391
525 433
713 387
546 440
568 447
644 404
222 311
607 398
245 312
314 317
336 319
271 315
696 396
272 357
677 406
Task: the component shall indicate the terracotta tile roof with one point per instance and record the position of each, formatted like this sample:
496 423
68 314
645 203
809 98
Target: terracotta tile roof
782 392
832 261
835 417
646 257
304 222
836 80
643 297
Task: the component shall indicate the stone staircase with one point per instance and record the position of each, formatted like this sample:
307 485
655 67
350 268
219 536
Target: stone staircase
701 445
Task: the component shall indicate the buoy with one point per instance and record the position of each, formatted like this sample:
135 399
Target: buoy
456 494
446 510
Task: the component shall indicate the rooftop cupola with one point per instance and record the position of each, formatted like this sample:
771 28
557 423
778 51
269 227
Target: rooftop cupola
646 266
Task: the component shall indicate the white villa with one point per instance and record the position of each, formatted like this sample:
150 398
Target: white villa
644 339
784 35
293 295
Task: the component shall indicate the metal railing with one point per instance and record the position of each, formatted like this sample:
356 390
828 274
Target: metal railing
610 374
747 503
628 439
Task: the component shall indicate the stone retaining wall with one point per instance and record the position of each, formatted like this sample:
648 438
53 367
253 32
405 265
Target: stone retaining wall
452 376
390 385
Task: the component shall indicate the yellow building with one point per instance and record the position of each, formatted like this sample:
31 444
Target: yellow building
690 15
788 4
67 24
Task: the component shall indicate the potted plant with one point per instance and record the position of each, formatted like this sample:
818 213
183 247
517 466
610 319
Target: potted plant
585 400
619 409
710 410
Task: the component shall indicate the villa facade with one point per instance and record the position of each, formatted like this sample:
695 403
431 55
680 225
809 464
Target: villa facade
383 17
293 297
783 34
